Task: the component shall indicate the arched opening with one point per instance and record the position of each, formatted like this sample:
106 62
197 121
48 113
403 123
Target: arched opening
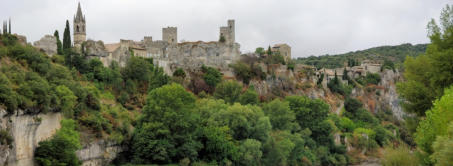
77 29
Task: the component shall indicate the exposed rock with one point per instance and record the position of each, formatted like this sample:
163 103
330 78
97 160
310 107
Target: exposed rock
95 48
27 131
48 44
98 153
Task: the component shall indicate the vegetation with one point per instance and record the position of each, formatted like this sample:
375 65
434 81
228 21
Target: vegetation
60 149
396 54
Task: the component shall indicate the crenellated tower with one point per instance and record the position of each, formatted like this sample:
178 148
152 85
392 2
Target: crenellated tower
79 27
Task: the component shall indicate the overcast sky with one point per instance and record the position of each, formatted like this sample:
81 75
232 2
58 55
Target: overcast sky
310 27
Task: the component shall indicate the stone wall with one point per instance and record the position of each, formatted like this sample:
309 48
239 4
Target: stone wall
48 44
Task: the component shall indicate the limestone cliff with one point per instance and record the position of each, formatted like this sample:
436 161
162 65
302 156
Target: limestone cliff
27 131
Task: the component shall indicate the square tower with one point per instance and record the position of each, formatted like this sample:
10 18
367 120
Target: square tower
170 35
228 32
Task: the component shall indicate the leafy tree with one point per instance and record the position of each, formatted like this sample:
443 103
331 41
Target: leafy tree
179 73
312 114
67 37
61 148
166 131
7 95
280 115
250 151
249 97
59 45
373 78
242 71
436 122
211 76
219 145
228 91
67 99
137 69
245 122
259 51
427 75
269 51
442 151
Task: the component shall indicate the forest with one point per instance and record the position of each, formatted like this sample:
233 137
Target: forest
225 121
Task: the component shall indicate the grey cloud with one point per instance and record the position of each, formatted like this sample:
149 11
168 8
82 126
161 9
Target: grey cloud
310 27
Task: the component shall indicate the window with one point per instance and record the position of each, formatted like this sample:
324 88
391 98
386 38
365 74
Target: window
77 29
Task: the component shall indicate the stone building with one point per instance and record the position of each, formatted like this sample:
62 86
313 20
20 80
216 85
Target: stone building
79 28
170 35
167 53
228 32
284 50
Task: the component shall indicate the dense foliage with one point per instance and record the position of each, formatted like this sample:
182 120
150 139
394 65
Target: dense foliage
396 54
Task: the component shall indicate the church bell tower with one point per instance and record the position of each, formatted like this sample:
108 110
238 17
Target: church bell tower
79 28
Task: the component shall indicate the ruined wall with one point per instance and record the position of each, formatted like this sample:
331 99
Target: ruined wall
48 44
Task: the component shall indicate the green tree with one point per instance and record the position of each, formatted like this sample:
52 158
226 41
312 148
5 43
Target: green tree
427 75
67 99
228 91
249 97
442 148
260 51
211 76
250 151
166 131
312 114
436 122
179 73
59 45
280 115
67 37
61 148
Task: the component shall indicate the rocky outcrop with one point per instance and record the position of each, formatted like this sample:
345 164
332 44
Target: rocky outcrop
48 44
98 153
95 48
27 131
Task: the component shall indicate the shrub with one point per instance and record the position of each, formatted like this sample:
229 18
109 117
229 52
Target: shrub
211 76
229 91
399 156
179 73
61 148
373 78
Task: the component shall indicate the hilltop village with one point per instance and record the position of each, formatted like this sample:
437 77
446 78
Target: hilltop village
169 101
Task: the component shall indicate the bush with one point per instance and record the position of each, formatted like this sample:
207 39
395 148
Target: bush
211 76
371 78
249 97
179 73
399 156
229 91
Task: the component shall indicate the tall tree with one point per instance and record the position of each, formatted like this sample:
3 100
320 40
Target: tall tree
66 37
427 75
59 46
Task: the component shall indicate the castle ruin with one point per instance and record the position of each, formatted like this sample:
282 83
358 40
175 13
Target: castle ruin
167 53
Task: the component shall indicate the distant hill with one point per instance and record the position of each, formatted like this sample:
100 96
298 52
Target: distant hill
397 54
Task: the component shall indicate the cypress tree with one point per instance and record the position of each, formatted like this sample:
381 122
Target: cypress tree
269 51
59 46
66 37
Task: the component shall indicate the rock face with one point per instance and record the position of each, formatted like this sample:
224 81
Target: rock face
27 131
48 44
98 153
95 48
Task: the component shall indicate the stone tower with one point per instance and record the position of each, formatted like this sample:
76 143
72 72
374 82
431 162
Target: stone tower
228 32
170 35
79 27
